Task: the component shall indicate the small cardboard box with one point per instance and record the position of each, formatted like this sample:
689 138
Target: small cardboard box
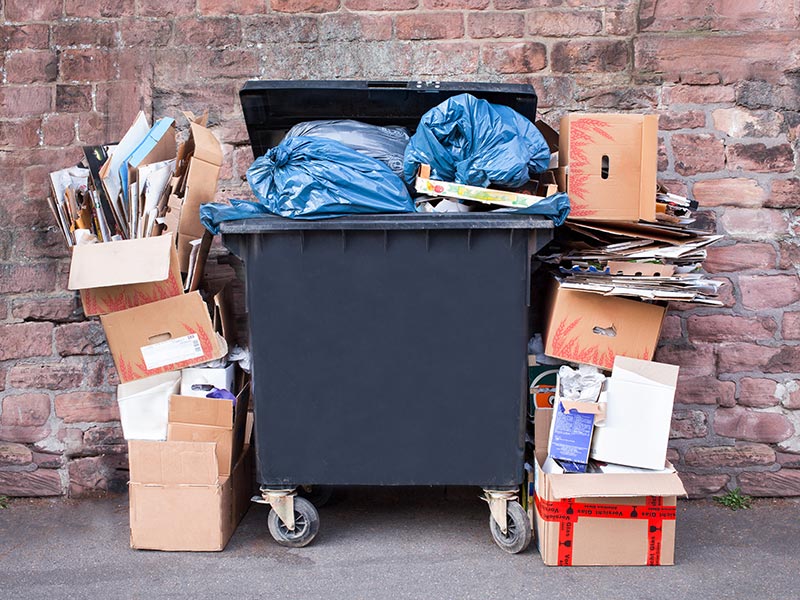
639 397
202 174
193 419
161 336
115 276
608 165
591 328
178 500
603 518
194 380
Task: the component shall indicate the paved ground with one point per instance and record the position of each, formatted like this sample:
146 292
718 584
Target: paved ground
383 543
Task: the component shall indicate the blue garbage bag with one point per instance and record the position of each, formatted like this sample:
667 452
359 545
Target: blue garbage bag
474 142
214 213
313 178
555 207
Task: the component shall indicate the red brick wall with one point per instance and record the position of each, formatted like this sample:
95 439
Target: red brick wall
724 76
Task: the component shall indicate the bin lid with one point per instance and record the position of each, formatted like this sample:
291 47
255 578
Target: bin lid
271 108
399 221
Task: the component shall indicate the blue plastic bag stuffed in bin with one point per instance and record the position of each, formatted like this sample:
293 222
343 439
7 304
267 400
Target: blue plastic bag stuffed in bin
474 142
312 178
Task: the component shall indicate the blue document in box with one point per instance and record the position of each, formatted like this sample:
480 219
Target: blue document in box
572 435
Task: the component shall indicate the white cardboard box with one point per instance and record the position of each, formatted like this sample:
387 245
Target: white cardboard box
219 377
640 395
144 405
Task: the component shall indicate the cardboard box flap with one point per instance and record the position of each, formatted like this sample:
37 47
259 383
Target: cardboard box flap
121 263
614 485
645 372
206 146
649 167
186 463
193 410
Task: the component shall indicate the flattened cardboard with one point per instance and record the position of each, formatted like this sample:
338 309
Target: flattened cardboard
193 419
639 398
183 321
115 276
590 328
609 519
609 164
201 186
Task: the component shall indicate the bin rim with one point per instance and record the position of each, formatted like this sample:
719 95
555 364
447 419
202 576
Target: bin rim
399 221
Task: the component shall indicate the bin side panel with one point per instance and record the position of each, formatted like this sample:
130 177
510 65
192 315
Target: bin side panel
388 357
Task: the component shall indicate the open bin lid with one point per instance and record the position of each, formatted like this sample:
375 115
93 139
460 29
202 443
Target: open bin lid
271 108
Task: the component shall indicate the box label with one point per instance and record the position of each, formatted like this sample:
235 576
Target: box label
572 435
172 351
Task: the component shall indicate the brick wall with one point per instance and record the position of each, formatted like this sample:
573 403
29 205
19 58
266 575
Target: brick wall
725 77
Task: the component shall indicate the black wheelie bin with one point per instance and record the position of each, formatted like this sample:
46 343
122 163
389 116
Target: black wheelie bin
386 349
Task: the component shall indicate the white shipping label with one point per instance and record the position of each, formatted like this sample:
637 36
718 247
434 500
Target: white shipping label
172 351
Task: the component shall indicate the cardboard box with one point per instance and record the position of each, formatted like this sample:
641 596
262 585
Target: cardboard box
608 165
161 336
144 406
204 154
639 397
178 500
603 518
203 377
591 328
193 419
115 276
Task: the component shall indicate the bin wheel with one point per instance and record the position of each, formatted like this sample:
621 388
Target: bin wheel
518 535
306 525
318 495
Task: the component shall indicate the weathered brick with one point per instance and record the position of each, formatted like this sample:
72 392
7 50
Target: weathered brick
735 191
785 193
740 122
58 130
23 434
599 56
560 23
704 390
51 376
673 455
25 410
695 360
232 7
353 27
456 4
622 98
688 119
752 224
187 65
698 94
740 257
671 328
16 278
688 424
697 153
429 26
515 57
757 393
207 32
789 256
47 460
680 15
87 407
784 482
88 476
144 33
769 291
87 65
381 4
80 338
761 158
41 482
729 328
495 24
20 11
32 66
58 309
12 454
788 461
621 22
791 326
30 36
98 8
446 59
157 8
104 440
736 357
73 98
740 455
745 424
120 101
20 134
24 340
79 33
26 101
763 94
553 91
304 6
700 486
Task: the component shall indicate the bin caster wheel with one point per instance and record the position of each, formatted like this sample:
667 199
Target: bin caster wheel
518 534
306 525
318 495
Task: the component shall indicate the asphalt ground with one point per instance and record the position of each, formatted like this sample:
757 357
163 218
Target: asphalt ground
420 543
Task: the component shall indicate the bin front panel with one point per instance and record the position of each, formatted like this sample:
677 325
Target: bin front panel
388 357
